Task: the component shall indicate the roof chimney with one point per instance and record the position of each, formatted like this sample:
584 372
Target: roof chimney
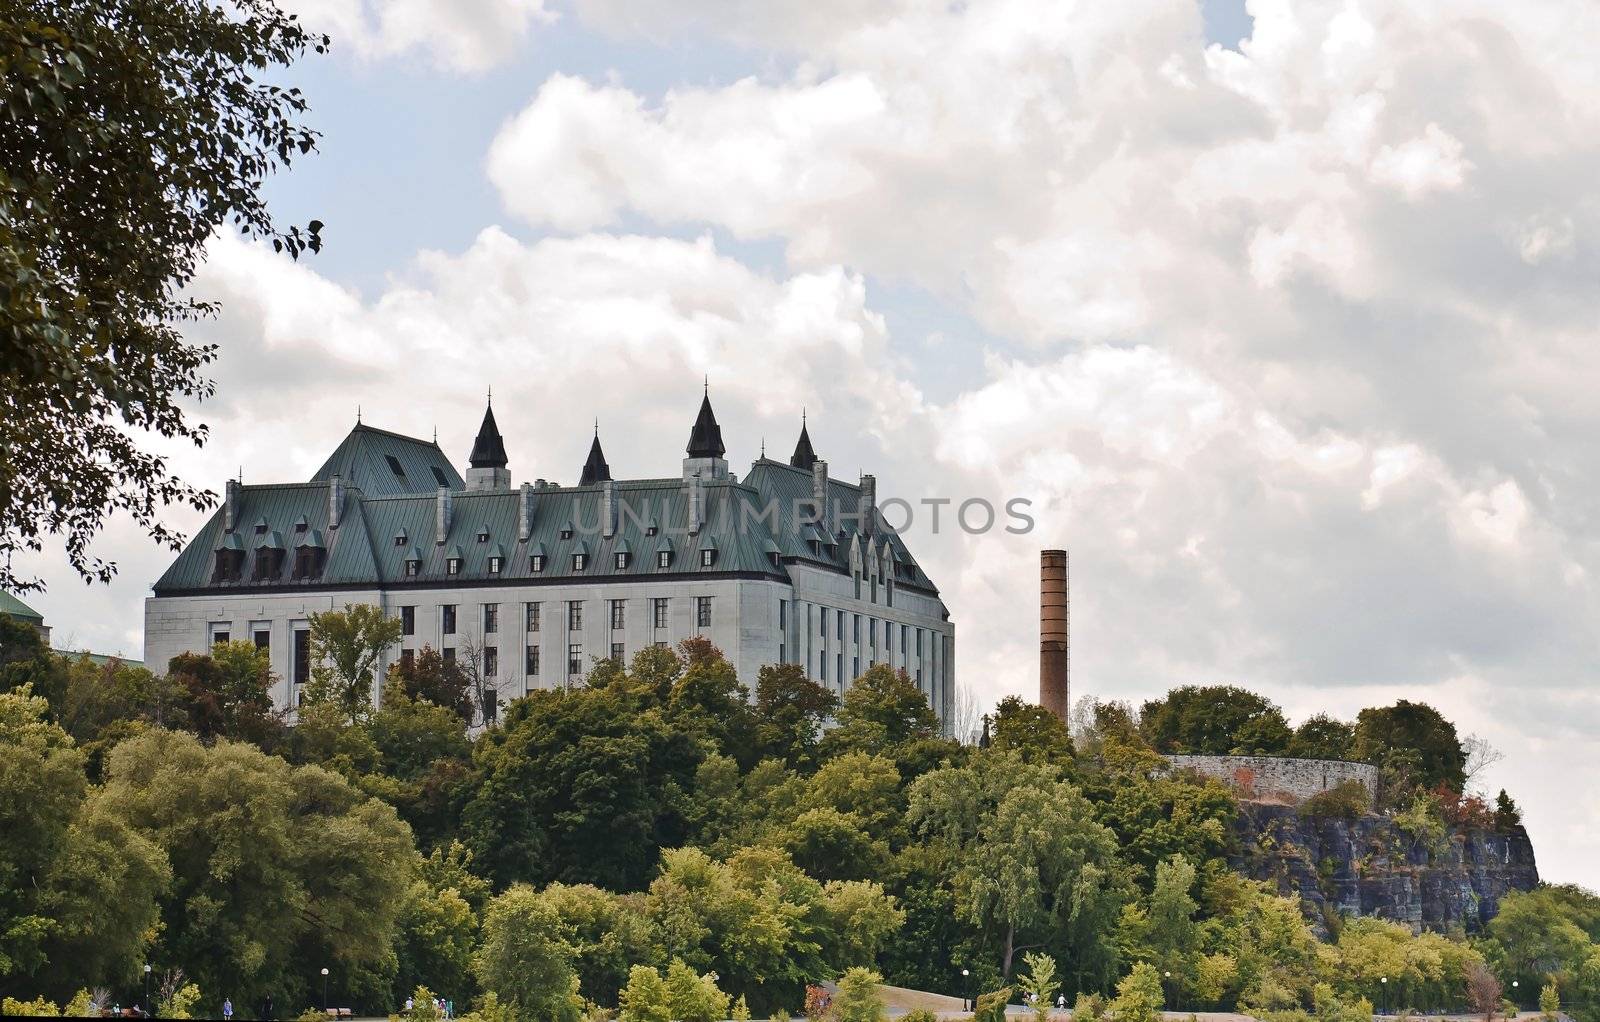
697 504
1055 619
819 492
443 514
335 500
525 513
868 507
608 508
230 505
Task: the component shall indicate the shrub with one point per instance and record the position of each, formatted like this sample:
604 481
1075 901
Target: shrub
991 1007
858 999
1550 1001
919 1015
1088 1007
1139 996
1346 800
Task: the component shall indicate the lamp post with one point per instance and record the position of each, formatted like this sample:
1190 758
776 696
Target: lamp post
1384 1000
1168 985
146 1005
324 989
966 988
1514 995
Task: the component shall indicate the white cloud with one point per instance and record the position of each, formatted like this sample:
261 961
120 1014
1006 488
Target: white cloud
460 35
1431 162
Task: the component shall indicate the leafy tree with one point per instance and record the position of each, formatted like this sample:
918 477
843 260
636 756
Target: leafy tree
524 958
1540 933
881 710
1385 733
275 868
26 660
692 997
77 890
1214 720
831 845
121 154
708 701
1155 815
858 999
345 647
425 768
1483 991
1322 737
437 933
645 998
580 787
1549 1002
789 712
1031 731
227 693
1037 864
606 933
431 678
1139 996
1040 982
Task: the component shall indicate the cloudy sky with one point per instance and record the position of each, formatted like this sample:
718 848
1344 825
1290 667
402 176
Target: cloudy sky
1283 318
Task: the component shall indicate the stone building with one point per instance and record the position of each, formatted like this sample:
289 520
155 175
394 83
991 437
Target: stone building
539 581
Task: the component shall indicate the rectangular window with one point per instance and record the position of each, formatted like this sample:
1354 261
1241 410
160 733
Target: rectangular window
874 589
532 663
302 656
491 706
783 656
702 611
663 558
919 643
263 638
619 614
579 561
408 657
622 560
218 637
616 651
574 615
872 633
533 617
491 662
855 629
658 611
536 563
449 654
783 614
447 618
824 616
706 557
855 667
491 618
575 658
838 663
904 629
822 666
839 631
408 620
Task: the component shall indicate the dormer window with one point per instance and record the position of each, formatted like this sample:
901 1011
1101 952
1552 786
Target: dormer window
308 562
536 563
622 560
452 566
302 525
664 558
494 565
400 538
580 561
483 535
708 558
261 527
394 466
413 567
438 475
230 566
651 529
566 530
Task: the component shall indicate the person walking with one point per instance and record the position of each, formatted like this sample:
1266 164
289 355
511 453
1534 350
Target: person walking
227 1009
409 1005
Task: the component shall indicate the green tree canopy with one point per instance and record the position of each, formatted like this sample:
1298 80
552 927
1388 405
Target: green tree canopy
1416 734
345 647
1216 720
122 152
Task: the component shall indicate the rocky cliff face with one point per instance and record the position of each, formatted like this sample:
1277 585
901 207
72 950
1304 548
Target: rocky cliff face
1369 866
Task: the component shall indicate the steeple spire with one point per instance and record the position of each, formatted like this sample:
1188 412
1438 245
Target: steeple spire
803 456
705 440
489 450
595 470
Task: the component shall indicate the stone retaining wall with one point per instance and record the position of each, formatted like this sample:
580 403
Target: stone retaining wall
1279 779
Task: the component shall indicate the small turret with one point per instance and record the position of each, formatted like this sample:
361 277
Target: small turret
705 448
488 460
595 470
803 456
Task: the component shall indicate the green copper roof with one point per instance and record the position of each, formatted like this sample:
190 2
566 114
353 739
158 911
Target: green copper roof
10 606
381 463
750 524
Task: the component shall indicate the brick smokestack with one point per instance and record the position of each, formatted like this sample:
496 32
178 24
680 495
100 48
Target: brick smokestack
1055 618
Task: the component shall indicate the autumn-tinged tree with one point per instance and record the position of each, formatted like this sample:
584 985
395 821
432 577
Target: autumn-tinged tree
1483 991
789 713
134 130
